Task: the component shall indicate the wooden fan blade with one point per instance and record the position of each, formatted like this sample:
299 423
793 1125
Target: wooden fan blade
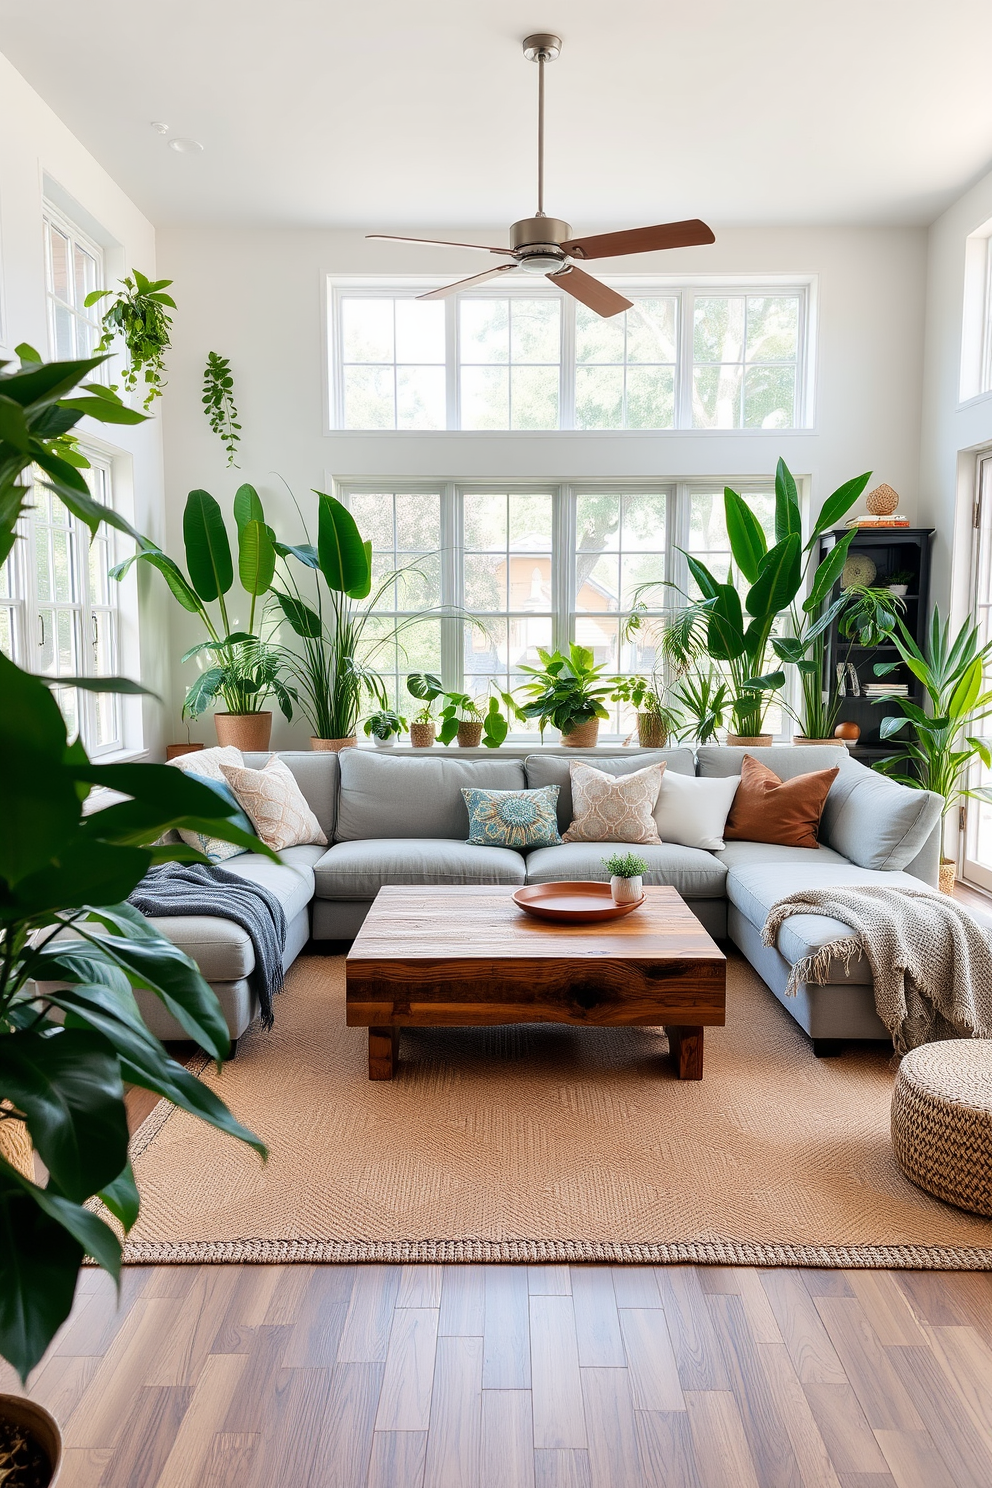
434 242
439 294
590 291
642 240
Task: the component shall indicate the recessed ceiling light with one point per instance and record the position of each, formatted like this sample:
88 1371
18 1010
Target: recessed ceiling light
159 127
184 146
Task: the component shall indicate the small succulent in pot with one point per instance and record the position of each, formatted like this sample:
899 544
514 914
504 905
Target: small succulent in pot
384 726
626 881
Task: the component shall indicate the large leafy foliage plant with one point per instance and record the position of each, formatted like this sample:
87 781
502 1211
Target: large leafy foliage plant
565 691
139 314
72 950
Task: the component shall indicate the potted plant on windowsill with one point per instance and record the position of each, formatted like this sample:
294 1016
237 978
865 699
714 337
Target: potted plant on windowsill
567 692
422 726
940 756
656 719
384 727
470 720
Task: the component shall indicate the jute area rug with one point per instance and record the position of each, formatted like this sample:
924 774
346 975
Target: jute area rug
542 1143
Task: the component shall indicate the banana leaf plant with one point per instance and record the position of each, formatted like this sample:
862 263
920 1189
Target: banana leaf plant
244 667
72 950
341 636
739 633
940 755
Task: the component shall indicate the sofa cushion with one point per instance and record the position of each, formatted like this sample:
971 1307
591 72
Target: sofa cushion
786 760
358 870
755 886
876 822
316 773
695 874
385 795
552 769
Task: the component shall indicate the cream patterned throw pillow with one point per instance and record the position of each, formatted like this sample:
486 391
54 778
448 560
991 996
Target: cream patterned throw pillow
613 808
275 803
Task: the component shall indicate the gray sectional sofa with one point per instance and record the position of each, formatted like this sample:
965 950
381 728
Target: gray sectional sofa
398 817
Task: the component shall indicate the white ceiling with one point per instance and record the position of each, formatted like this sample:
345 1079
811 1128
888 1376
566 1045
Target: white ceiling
393 113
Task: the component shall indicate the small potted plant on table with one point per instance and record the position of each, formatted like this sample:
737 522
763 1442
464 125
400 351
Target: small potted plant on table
626 880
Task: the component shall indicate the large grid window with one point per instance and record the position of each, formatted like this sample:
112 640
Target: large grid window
73 269
59 608
682 358
536 568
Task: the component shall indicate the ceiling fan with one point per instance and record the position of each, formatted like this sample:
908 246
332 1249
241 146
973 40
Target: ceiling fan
544 245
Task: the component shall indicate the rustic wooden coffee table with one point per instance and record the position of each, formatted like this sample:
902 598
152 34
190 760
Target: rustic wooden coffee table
463 956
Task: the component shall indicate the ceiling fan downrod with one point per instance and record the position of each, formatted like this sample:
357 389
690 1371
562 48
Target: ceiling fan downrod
541 48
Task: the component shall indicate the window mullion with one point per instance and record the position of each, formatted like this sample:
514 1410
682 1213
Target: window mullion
563 564
566 408
683 392
452 586
451 380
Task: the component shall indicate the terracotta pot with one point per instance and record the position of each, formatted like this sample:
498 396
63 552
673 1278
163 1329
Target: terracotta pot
651 731
333 746
750 741
39 1424
948 875
583 737
249 732
802 739
469 734
176 751
850 732
422 735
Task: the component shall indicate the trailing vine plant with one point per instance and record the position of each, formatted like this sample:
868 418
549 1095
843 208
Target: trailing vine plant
140 316
219 405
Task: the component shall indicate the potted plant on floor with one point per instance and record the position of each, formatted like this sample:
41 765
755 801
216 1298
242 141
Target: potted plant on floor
567 692
243 669
941 755
64 1056
736 632
384 727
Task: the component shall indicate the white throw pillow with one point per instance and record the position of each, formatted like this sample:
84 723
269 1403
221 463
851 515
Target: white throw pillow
275 803
208 761
692 810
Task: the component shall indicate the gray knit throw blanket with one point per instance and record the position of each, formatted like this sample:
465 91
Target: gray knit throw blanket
172 889
931 962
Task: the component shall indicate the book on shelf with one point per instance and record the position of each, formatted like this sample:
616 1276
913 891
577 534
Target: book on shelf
869 521
877 689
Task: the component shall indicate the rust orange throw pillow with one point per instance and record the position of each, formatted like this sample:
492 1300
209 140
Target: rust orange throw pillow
786 812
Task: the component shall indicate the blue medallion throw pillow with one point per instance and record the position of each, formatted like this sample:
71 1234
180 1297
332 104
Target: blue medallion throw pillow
506 818
215 848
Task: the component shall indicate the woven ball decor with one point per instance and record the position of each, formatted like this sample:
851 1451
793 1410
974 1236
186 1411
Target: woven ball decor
882 502
942 1121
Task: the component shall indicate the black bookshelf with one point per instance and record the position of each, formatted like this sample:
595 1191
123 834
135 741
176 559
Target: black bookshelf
892 550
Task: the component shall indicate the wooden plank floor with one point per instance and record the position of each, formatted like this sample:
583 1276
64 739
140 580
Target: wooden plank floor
524 1377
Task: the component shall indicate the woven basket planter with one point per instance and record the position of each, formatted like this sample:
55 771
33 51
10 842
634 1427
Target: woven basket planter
422 735
651 731
249 732
583 737
469 734
333 746
750 741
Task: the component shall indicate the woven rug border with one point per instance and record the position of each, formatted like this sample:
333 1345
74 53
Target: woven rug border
256 1251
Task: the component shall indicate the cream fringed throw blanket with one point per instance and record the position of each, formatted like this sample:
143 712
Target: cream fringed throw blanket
931 961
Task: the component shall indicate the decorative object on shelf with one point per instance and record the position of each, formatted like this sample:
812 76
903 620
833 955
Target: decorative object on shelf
218 403
882 501
140 316
468 719
567 692
737 634
30 1444
858 572
849 732
898 582
940 755
422 733
384 727
626 872
872 524
573 903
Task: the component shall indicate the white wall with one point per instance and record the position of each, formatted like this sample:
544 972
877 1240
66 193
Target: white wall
36 145
953 429
257 297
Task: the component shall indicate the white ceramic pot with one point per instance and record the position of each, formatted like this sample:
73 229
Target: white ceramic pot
626 890
384 743
901 589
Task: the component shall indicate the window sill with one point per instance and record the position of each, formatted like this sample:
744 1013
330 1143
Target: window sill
803 432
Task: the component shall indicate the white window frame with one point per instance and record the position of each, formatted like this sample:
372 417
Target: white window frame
684 290
53 217
563 493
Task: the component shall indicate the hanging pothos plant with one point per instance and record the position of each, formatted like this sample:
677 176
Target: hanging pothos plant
219 405
140 316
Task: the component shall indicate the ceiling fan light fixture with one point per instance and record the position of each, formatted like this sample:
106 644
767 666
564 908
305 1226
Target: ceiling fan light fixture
541 259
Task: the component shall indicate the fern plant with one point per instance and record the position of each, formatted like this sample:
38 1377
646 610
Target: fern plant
140 316
219 405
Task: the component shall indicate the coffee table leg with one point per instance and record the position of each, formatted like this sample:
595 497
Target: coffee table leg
686 1045
383 1045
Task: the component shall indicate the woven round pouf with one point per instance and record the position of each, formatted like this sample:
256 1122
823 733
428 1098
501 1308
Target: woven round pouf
942 1121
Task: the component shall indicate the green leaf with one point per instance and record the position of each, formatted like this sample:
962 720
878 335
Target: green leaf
121 1197
47 381
839 504
788 517
747 539
208 551
448 729
306 553
247 506
344 558
778 580
256 557
890 726
38 801
39 1263
104 410
170 571
14 426
424 685
302 618
725 626
965 694
83 871
828 572
68 1087
120 685
708 585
